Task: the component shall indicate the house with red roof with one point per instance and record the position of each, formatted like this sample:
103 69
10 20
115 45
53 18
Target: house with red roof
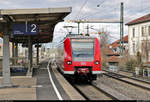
115 46
113 52
139 37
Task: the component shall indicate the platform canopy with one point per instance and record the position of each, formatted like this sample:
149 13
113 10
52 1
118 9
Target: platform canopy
41 20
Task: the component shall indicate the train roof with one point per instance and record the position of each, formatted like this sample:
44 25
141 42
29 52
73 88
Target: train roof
75 36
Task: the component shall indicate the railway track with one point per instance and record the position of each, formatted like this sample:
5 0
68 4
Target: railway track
148 82
92 92
95 92
133 81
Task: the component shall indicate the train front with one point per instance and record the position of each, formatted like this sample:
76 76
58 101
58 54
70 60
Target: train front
85 59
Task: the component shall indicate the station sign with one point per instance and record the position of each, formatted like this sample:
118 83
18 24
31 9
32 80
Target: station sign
25 29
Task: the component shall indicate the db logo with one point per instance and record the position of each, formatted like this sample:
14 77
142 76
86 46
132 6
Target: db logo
83 63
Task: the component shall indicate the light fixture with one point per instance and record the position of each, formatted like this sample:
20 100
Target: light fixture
69 62
1 17
96 62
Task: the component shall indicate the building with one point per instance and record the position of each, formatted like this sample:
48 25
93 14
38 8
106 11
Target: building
115 46
112 56
112 52
139 37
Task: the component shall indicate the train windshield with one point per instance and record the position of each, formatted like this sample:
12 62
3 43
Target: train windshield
83 49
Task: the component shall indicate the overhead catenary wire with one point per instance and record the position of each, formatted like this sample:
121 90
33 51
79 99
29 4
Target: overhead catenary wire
101 3
77 15
98 5
98 12
95 12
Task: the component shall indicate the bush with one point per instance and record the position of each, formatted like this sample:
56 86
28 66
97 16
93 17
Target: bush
131 64
128 62
139 58
104 62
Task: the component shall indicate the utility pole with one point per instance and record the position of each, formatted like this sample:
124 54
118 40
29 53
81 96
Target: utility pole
87 30
121 29
78 27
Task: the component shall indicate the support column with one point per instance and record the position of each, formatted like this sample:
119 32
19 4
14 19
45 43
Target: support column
37 54
13 53
6 82
16 53
121 29
29 55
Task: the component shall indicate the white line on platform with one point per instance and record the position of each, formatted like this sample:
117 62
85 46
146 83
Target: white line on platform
50 77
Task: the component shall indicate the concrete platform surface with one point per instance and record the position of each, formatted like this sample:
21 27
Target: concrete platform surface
46 91
71 92
26 89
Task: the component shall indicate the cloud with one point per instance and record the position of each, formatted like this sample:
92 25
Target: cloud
108 9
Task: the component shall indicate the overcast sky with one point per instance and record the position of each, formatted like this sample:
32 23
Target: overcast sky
87 9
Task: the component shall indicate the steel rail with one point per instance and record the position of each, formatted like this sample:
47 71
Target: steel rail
123 80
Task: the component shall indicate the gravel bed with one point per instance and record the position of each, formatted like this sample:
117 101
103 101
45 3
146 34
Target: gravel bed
143 78
128 90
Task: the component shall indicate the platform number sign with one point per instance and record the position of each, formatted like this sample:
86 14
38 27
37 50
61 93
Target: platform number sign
33 28
25 29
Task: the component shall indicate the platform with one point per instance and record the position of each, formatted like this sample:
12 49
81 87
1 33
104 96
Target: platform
47 83
25 89
28 27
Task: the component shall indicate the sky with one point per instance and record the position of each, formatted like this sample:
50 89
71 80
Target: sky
87 9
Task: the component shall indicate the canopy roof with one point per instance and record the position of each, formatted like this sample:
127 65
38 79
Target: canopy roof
44 18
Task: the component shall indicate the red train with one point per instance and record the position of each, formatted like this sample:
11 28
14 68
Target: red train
79 57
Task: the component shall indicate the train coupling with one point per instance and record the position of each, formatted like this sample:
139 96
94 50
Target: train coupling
83 71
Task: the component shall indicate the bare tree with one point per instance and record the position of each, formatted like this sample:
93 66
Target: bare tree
104 40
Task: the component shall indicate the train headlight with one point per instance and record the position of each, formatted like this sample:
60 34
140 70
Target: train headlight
96 62
69 62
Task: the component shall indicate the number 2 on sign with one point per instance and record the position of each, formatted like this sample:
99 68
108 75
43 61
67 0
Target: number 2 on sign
33 26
